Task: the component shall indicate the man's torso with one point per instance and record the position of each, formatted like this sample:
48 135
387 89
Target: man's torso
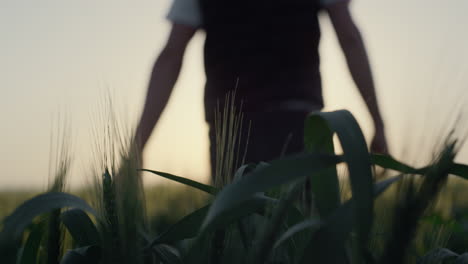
266 50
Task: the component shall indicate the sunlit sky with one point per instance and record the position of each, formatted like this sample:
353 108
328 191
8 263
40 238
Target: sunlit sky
60 57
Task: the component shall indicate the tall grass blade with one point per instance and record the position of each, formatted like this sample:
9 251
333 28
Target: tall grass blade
110 225
318 138
54 237
228 124
55 234
197 185
119 192
414 204
130 207
388 162
358 161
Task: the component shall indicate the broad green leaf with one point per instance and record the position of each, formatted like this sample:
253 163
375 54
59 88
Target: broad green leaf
30 251
198 251
89 255
244 169
327 244
23 215
241 171
358 161
460 170
54 234
388 162
81 227
197 185
279 172
255 204
167 254
306 225
271 229
186 228
325 184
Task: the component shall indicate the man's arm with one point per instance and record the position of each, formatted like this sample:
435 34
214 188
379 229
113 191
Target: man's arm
163 77
352 44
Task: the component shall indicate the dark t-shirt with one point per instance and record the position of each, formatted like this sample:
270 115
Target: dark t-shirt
266 50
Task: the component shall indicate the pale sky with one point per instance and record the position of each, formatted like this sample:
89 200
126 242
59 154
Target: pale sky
61 56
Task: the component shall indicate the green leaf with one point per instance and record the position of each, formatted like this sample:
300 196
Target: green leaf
358 160
273 227
255 204
327 244
31 247
167 254
198 251
460 170
248 168
23 215
242 171
279 172
306 225
88 255
187 227
54 237
197 185
388 162
81 227
318 137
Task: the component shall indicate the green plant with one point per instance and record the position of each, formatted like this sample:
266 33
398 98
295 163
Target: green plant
258 228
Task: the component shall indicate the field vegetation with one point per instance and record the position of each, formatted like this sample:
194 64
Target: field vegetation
296 209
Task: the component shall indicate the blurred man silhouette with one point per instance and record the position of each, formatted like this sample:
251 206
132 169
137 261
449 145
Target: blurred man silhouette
271 48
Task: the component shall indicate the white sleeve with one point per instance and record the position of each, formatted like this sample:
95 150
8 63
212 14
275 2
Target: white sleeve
329 2
186 12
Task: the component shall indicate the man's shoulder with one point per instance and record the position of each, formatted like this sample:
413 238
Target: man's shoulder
186 12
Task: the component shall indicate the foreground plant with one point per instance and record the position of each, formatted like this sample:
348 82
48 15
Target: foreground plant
259 227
